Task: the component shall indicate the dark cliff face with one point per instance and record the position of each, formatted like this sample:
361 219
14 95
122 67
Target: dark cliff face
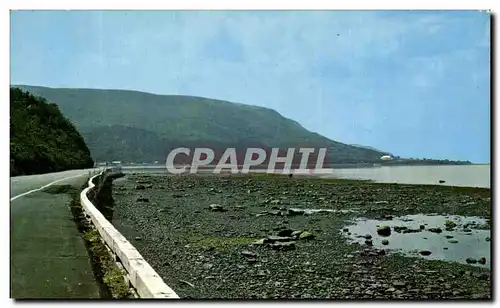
41 139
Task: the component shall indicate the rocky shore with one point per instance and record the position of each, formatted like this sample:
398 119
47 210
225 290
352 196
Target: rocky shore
264 236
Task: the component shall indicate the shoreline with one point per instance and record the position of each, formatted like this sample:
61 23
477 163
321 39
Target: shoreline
202 253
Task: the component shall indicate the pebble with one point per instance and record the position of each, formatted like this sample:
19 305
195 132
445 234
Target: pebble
247 253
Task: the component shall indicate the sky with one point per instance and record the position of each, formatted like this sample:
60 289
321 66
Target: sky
412 83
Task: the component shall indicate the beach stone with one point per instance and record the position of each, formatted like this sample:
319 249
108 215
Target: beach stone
399 284
369 242
450 224
140 187
435 230
488 239
482 260
283 245
295 233
285 232
384 231
453 241
425 252
216 208
367 236
399 229
422 227
247 253
385 242
448 236
294 212
208 266
482 276
471 261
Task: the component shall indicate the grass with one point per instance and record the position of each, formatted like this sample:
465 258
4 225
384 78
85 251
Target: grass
106 272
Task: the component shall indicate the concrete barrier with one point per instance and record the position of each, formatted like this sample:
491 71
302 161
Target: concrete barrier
143 278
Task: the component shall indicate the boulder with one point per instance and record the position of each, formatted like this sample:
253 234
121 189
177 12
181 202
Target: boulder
384 230
285 232
425 252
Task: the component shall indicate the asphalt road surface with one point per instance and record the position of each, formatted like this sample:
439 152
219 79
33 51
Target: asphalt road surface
48 258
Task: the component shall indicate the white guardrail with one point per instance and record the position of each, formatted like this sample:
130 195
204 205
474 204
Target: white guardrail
143 278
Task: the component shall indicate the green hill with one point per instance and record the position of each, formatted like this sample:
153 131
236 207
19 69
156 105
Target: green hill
138 126
41 139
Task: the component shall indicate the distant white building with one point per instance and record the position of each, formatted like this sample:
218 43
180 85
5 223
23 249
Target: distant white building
386 157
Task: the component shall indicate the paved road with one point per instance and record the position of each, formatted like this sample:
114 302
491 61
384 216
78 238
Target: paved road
48 256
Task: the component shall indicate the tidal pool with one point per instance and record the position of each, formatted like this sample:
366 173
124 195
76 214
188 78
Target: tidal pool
412 234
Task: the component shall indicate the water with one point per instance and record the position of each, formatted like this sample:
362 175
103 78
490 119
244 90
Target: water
467 175
470 175
470 244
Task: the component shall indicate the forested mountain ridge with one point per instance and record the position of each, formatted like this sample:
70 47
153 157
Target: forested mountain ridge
138 126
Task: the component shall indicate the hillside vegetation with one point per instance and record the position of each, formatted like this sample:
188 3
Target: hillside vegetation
138 126
41 139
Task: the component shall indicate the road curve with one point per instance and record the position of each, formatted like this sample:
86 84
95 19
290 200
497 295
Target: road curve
26 184
48 258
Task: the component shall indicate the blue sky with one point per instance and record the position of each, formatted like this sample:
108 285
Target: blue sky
414 83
